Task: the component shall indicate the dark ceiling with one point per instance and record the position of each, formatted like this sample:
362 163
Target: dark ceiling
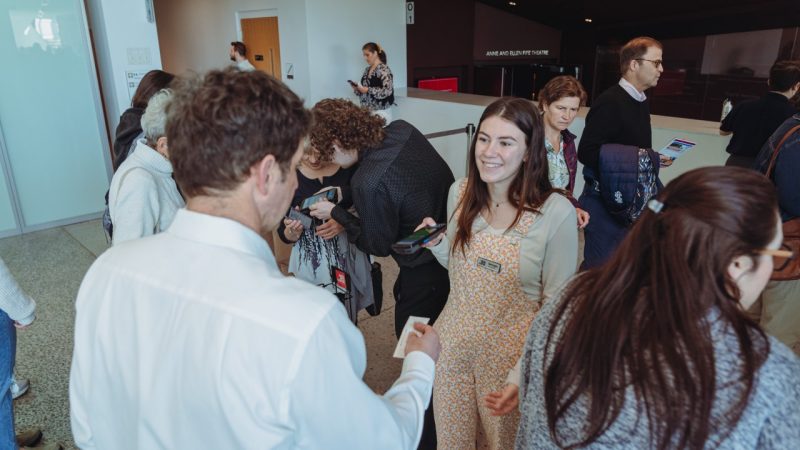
661 19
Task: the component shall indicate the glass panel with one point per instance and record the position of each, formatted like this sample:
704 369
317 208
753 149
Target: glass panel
7 222
49 112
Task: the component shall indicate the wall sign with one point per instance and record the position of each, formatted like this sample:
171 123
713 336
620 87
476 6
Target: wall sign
409 13
132 79
499 35
540 52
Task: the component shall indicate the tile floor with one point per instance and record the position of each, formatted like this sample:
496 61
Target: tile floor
50 264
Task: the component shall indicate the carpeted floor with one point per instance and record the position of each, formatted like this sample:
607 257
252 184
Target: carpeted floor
50 264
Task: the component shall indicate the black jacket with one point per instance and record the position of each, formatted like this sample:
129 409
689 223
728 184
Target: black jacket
130 126
396 185
753 122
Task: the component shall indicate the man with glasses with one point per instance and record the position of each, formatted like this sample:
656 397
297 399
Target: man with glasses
620 115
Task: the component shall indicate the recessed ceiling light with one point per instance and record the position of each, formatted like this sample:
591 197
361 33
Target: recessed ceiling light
512 3
587 20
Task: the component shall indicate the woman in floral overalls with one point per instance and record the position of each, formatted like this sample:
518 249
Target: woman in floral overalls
511 243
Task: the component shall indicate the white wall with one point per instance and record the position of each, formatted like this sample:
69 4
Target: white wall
124 41
195 35
430 116
320 38
337 31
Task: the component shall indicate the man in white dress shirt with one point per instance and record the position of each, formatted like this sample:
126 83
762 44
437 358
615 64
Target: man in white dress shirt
193 339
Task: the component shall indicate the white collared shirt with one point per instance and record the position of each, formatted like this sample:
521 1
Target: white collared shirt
632 91
192 338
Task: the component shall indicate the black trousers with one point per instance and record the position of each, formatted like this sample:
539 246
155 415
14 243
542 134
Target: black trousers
421 291
603 234
741 161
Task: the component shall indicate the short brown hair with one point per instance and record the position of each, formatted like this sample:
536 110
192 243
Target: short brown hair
239 48
560 87
634 49
151 82
342 121
783 75
219 125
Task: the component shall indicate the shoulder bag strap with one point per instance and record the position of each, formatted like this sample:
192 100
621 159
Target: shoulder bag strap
778 149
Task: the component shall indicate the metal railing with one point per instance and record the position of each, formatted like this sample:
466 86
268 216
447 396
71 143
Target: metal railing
469 130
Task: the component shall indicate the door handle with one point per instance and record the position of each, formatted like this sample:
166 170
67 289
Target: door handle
272 61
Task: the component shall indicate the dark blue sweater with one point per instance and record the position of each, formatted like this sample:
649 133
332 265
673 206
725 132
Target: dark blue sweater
614 118
787 166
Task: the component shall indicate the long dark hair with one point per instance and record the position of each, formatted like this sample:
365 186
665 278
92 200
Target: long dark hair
152 82
529 188
642 319
373 47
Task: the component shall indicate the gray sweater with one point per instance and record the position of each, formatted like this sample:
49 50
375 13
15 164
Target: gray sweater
771 420
19 307
143 197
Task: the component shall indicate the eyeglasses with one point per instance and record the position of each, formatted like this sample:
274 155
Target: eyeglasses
780 257
656 62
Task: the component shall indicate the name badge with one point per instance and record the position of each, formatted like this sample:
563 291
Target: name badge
491 266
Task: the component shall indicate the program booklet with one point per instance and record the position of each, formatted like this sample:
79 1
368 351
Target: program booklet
676 148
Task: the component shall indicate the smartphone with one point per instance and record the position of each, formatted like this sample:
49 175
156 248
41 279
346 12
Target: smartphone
329 195
413 242
297 215
352 83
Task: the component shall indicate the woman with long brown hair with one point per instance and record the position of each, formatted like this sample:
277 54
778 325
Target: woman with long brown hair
511 243
129 128
653 349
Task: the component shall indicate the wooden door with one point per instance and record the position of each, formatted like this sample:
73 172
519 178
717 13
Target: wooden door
260 35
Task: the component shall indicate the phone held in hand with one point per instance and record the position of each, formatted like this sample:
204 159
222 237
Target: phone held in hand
329 195
297 215
352 83
413 242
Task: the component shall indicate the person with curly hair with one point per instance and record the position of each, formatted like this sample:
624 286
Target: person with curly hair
317 248
400 180
194 338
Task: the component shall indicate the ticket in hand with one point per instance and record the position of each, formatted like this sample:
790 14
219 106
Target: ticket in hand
400 350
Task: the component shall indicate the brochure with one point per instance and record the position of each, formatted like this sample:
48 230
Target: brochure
676 148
